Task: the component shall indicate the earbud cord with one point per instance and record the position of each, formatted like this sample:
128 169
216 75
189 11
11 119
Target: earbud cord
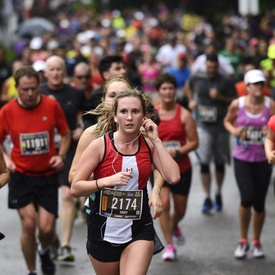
101 229
118 151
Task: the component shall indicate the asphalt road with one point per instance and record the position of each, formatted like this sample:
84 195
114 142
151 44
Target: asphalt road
210 240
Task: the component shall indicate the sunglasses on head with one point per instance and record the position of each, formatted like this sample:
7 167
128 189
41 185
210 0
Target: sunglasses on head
82 76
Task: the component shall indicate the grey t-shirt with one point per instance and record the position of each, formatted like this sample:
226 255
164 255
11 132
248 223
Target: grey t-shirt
211 112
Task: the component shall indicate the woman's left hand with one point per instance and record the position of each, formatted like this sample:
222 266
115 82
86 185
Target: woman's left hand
156 202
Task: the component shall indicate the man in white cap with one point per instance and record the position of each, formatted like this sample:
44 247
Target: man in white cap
40 66
37 51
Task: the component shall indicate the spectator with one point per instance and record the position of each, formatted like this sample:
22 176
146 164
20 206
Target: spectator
37 49
181 74
168 53
96 78
233 55
149 70
251 54
135 58
5 70
82 78
40 67
199 64
269 63
9 91
74 56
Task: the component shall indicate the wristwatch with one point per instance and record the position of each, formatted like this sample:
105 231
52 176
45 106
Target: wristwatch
63 157
178 154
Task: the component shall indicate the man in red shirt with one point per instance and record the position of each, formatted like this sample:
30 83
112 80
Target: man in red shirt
30 120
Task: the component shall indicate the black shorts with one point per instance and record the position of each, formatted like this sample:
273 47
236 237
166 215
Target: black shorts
107 252
183 186
253 180
42 190
64 174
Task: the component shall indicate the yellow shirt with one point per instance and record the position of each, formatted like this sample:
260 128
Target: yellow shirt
11 91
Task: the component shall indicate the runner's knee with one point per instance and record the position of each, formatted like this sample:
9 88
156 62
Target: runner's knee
220 167
205 169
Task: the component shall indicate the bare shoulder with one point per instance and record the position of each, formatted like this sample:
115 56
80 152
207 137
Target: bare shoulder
90 130
185 114
88 133
97 141
234 104
95 147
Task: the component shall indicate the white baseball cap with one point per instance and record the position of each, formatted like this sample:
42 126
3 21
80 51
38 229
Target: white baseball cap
39 65
254 76
36 43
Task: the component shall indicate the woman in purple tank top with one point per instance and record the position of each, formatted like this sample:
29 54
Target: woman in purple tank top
246 120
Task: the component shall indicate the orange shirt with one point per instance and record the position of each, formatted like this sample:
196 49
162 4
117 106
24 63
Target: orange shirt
241 89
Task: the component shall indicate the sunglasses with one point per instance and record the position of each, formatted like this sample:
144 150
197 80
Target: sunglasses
82 76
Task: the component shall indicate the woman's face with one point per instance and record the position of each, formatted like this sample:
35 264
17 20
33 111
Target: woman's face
256 89
148 56
129 114
93 59
167 92
113 89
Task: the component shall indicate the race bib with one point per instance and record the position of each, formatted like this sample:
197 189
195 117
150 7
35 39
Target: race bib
207 113
34 144
252 135
122 204
171 144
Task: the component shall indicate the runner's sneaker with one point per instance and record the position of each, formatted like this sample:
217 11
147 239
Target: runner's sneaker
241 250
178 236
32 273
218 203
207 206
66 254
257 251
47 265
170 253
54 247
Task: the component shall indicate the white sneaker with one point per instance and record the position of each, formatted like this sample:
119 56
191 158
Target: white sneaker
257 251
170 253
241 250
